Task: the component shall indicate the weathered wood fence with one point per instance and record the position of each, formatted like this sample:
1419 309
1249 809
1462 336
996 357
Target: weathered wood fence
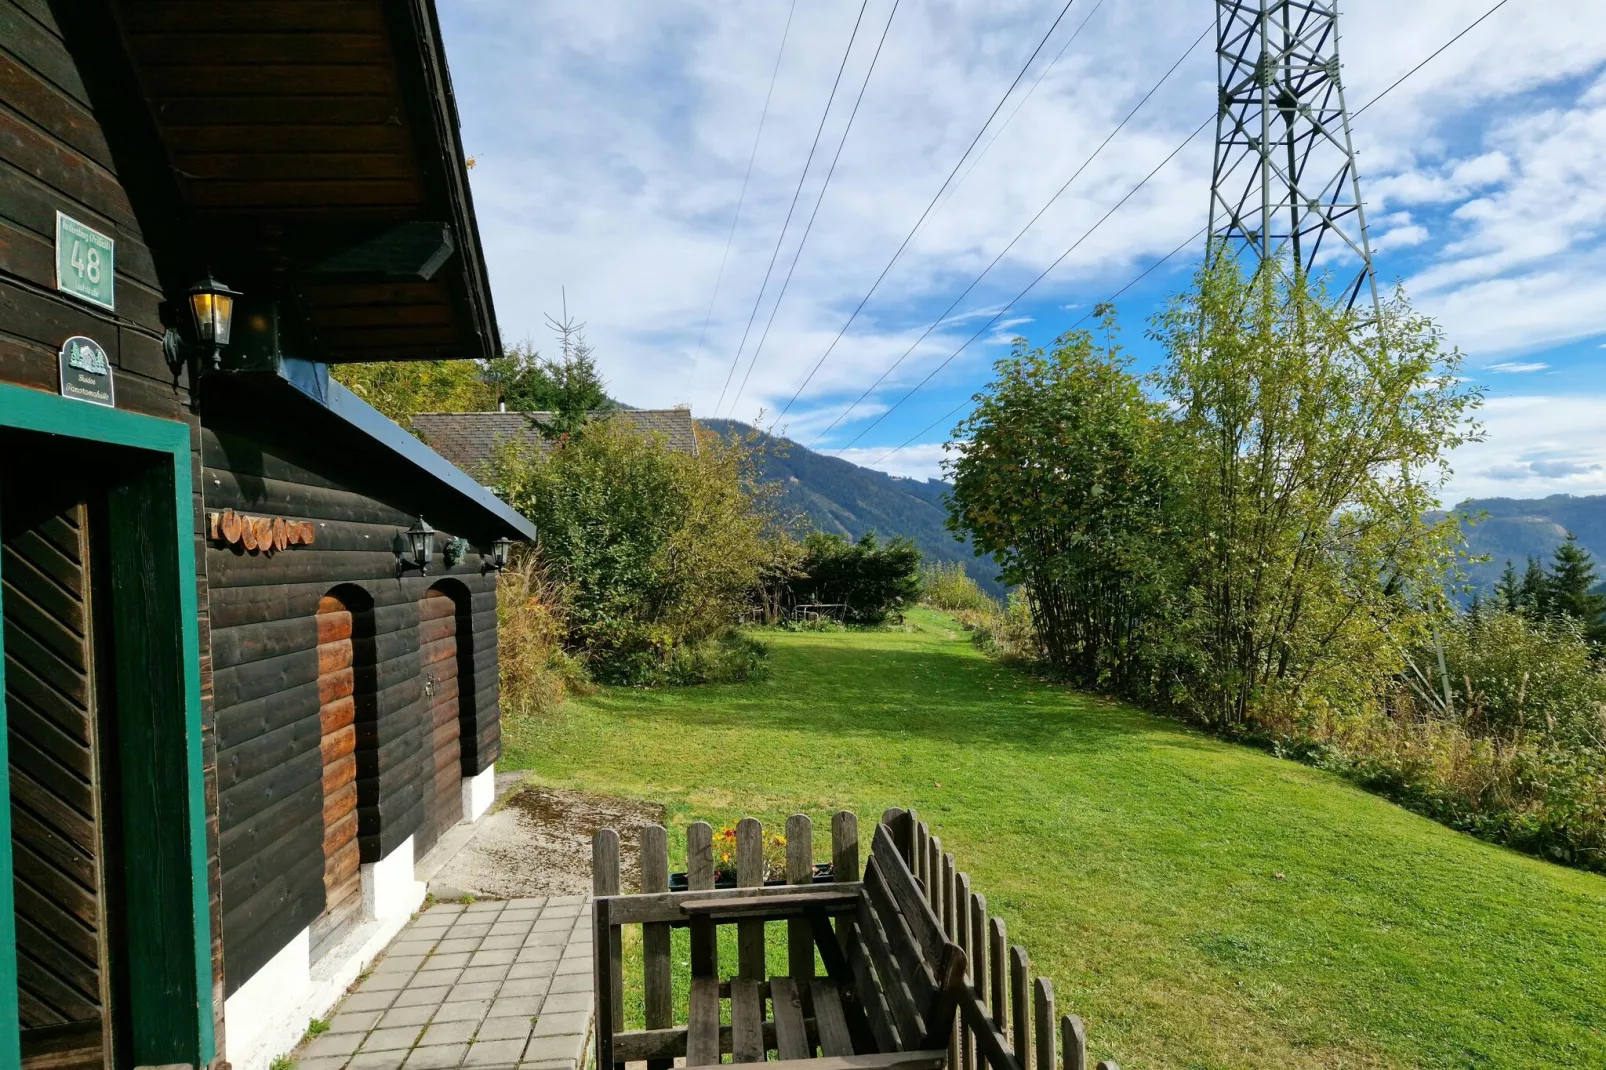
1007 1018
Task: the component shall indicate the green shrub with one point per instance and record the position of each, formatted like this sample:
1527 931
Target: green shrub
1510 676
1010 634
655 549
874 580
946 585
732 658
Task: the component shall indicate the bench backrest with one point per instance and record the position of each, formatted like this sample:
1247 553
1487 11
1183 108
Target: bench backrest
921 972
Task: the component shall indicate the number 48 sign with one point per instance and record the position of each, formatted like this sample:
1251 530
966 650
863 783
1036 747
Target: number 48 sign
84 262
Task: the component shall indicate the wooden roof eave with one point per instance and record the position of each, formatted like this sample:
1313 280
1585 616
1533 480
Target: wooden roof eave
427 87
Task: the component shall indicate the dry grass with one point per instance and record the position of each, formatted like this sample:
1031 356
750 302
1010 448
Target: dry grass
531 611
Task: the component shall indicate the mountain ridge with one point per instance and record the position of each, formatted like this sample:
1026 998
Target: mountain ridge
1513 529
841 497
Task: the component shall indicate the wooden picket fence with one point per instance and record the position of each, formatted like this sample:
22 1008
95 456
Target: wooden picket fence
1007 1019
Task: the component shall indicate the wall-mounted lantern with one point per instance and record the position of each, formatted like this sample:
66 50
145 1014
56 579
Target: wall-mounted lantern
212 314
501 551
414 547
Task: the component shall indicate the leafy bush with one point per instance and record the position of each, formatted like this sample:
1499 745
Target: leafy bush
1507 676
946 585
874 580
656 549
732 658
1010 634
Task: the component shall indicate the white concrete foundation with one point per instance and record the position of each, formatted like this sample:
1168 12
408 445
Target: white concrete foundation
389 889
478 793
268 1014
251 1016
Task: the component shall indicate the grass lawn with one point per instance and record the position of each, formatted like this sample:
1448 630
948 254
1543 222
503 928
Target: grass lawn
1199 904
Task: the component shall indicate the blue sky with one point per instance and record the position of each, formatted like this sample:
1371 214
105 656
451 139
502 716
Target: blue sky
611 140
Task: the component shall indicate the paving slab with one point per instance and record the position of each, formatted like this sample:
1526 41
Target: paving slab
488 985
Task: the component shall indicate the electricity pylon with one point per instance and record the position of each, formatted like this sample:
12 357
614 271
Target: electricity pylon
1285 187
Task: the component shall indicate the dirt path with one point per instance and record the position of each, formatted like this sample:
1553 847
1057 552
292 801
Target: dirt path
538 842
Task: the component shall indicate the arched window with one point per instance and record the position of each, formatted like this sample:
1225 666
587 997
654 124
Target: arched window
345 687
444 654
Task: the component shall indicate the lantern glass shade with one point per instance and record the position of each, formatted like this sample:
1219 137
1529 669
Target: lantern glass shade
501 550
421 538
212 306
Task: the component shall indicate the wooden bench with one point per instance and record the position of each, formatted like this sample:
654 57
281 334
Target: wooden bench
888 998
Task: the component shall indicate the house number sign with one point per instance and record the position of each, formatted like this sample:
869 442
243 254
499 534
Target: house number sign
85 259
86 374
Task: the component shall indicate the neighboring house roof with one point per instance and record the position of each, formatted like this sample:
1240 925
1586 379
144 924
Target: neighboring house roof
472 440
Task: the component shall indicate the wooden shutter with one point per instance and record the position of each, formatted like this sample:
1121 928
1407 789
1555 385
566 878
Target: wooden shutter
443 749
337 714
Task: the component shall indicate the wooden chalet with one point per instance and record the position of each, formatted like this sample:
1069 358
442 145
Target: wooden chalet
249 624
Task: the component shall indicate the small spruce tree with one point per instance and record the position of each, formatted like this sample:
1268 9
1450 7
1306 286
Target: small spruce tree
1508 592
1535 593
1570 588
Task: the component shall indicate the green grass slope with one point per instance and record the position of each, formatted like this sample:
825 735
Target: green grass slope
1200 904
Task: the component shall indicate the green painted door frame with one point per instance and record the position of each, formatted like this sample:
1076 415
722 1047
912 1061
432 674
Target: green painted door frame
158 708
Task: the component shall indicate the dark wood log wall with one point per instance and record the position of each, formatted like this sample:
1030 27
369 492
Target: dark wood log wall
266 678
55 154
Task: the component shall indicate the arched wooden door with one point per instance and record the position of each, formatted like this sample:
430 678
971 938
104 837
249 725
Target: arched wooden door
337 715
443 746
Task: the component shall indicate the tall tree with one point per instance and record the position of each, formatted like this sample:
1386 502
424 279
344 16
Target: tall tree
1062 479
1508 592
1535 599
1310 441
1571 588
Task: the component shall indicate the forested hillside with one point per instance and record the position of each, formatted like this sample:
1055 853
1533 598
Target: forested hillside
1515 528
838 496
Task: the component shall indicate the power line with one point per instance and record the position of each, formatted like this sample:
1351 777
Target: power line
742 197
951 412
1021 234
798 254
915 229
1430 59
1021 103
1033 284
779 238
1146 272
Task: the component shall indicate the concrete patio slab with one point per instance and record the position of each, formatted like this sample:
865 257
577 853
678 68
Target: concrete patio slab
460 988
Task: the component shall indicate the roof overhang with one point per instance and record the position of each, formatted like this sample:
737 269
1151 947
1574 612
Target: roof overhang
301 394
317 155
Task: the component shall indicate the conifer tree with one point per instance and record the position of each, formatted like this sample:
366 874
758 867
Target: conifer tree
1535 593
1570 588
1508 592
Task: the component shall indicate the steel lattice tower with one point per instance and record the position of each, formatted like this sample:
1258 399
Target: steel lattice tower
1285 186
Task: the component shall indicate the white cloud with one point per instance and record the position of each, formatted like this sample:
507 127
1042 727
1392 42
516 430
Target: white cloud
920 461
1535 445
1400 238
613 138
1518 367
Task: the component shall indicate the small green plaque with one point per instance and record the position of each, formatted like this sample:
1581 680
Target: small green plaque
84 264
86 373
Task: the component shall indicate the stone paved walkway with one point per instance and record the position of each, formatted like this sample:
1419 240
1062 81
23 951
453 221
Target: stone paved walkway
494 985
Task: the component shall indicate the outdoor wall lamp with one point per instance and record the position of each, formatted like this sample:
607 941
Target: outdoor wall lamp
210 323
501 550
414 547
